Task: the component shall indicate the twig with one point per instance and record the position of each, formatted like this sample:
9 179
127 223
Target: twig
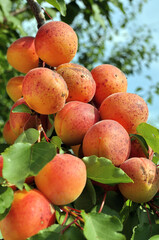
37 11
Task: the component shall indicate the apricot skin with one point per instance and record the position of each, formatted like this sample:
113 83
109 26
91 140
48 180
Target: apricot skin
73 121
44 90
107 139
14 88
30 212
56 43
18 120
63 179
128 109
145 175
1 165
8 134
109 79
80 82
137 151
21 54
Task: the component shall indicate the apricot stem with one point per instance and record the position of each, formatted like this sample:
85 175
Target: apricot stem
103 202
66 209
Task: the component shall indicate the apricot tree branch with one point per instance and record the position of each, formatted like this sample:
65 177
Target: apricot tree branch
37 11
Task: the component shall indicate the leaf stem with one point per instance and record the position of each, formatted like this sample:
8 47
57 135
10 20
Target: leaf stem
103 202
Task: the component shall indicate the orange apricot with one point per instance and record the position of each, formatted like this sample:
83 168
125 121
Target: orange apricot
109 139
8 134
109 79
21 54
80 82
128 109
44 90
30 212
145 175
73 121
1 165
56 43
137 150
63 179
14 88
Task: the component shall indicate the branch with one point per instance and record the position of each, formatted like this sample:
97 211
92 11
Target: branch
37 11
18 11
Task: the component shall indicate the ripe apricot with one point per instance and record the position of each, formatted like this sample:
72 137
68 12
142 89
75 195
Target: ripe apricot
30 212
8 134
56 43
73 121
1 165
63 179
145 175
21 54
137 150
109 79
44 90
108 139
14 88
19 119
128 109
80 82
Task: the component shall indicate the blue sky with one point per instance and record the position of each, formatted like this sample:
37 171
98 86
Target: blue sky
149 16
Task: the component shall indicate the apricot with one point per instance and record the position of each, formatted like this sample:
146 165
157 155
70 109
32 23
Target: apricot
14 88
63 179
80 82
137 150
128 109
30 212
109 79
44 90
21 54
108 139
73 121
8 134
18 120
1 165
56 43
145 175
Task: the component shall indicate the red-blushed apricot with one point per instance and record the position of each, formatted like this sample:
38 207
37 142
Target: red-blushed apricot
80 82
75 149
145 175
73 121
44 90
137 150
14 88
128 109
1 165
8 134
18 120
109 79
107 139
56 43
21 54
30 212
63 179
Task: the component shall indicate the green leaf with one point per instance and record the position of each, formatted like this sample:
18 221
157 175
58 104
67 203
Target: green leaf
59 4
102 226
102 170
50 233
87 199
29 136
72 233
22 108
6 198
146 230
56 141
6 7
151 135
22 160
156 237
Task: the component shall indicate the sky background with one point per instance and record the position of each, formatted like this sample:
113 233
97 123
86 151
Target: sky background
150 17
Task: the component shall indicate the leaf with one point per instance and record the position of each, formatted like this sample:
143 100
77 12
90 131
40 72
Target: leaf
151 135
22 108
56 141
102 226
156 237
6 198
73 233
22 160
59 4
50 233
87 199
29 136
146 230
102 170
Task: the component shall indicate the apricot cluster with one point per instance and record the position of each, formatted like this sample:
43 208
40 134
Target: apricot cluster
93 115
